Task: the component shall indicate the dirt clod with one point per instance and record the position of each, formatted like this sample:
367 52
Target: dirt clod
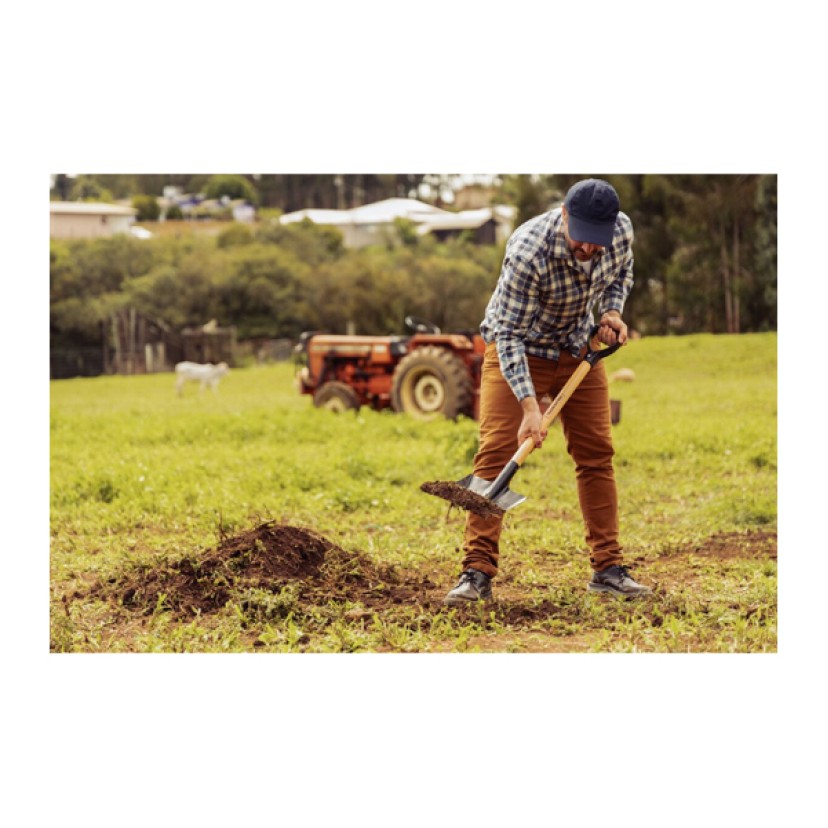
461 497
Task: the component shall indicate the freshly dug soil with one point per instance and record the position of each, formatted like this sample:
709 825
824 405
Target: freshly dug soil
461 497
268 557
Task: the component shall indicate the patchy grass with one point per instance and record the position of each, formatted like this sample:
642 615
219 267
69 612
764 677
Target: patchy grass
143 481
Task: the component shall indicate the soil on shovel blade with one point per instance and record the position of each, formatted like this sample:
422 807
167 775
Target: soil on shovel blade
461 497
268 558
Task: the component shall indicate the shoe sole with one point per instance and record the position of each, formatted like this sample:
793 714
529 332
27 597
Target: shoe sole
611 591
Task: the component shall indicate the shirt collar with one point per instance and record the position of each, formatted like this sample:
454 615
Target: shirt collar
559 249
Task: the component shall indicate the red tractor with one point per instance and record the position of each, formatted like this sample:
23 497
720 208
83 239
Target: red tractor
427 374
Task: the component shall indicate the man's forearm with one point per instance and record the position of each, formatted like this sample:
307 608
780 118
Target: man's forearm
530 405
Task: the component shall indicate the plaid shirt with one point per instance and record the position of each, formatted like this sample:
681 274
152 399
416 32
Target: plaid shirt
543 302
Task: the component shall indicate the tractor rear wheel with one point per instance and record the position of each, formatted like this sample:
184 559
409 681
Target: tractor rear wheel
431 382
336 396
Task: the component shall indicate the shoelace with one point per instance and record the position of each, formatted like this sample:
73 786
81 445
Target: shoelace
469 578
621 571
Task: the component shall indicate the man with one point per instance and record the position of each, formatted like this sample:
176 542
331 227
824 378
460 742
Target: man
556 268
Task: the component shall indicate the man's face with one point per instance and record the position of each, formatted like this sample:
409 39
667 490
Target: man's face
582 251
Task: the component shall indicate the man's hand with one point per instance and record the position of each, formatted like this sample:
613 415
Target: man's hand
531 424
612 328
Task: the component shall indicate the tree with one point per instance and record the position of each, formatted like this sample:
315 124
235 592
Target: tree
336 191
260 291
62 187
236 234
762 299
147 207
87 188
231 186
531 194
309 242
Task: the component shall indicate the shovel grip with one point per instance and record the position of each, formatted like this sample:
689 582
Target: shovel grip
595 354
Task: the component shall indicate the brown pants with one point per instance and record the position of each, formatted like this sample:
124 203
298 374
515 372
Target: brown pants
588 432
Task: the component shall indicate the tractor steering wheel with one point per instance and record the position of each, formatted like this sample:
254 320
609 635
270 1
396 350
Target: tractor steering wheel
418 325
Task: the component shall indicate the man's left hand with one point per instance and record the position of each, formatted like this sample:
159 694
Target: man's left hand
612 328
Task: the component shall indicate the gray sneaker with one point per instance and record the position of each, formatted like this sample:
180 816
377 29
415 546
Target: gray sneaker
472 586
617 580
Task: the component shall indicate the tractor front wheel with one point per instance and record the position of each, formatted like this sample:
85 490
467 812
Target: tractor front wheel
431 382
336 396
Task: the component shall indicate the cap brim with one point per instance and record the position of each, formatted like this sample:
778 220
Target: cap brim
588 233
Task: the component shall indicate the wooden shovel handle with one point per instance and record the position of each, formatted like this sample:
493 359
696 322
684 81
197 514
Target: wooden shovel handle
528 445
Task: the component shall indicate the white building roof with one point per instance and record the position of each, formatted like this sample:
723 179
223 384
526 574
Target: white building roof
90 208
467 219
391 208
380 212
318 216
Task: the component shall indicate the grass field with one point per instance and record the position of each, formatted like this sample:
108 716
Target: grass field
145 484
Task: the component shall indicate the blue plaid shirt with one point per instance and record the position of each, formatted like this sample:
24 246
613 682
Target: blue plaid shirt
544 301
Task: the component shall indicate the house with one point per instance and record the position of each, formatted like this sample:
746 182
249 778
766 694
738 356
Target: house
243 211
374 223
88 220
369 224
488 225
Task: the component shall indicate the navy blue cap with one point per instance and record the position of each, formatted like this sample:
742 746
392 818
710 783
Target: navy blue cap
592 206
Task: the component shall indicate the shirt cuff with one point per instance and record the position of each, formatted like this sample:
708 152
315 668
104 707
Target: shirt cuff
522 387
611 303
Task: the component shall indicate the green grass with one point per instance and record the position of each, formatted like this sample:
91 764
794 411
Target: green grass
141 477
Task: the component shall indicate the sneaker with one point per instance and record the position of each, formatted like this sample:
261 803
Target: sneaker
617 580
472 586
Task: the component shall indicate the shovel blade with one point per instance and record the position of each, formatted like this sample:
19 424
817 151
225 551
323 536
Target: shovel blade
507 499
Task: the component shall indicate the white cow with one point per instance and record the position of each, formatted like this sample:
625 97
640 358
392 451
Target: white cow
208 374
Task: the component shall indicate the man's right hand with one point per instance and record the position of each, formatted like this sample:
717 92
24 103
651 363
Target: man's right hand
530 426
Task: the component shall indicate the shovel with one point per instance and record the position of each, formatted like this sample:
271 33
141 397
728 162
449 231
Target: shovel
492 498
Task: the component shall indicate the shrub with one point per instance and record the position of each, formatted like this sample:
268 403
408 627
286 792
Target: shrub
147 207
236 234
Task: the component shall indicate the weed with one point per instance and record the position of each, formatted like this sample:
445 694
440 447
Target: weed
258 605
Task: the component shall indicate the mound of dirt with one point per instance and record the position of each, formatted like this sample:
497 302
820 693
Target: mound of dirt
268 557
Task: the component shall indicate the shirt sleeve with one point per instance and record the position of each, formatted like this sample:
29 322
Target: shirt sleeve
615 296
517 308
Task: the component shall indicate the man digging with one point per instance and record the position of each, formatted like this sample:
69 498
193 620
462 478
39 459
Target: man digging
536 326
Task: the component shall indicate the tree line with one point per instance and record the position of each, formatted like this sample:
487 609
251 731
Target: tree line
705 260
270 281
287 193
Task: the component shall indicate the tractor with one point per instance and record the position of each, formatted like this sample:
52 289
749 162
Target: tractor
427 374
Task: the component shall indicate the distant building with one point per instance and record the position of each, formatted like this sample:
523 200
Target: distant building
88 220
196 206
374 223
243 211
488 225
